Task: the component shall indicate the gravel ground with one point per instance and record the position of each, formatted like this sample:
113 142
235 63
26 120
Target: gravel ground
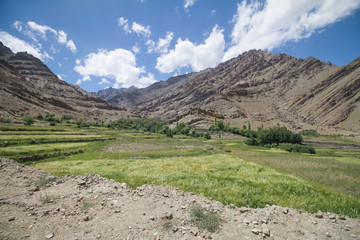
92 207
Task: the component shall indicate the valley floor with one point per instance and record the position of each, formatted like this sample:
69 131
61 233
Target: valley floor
236 176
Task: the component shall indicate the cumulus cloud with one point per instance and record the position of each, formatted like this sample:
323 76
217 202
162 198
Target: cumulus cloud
273 23
118 64
18 45
135 27
199 56
188 3
162 45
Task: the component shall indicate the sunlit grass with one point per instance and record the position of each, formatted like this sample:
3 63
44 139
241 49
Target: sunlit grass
222 177
37 149
226 170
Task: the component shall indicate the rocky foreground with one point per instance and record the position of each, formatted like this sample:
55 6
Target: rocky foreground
36 205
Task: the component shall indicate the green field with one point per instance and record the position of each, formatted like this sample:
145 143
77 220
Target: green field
226 170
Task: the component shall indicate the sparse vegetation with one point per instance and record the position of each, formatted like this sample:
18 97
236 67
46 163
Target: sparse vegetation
45 180
204 219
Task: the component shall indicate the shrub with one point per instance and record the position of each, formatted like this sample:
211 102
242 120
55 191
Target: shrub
8 120
207 135
39 117
204 219
52 123
297 148
28 120
252 142
66 117
49 117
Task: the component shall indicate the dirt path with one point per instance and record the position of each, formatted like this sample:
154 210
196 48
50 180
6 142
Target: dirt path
92 207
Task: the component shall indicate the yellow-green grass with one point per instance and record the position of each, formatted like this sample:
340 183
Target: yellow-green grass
223 177
339 171
49 137
25 150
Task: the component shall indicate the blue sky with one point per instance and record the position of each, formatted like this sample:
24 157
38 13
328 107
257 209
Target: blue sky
120 43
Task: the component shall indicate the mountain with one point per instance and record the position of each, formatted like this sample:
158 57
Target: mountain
259 88
110 92
27 86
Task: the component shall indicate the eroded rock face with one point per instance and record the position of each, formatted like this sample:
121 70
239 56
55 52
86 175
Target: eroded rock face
29 87
256 87
92 207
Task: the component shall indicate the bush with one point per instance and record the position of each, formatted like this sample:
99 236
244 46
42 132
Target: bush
39 117
204 219
66 118
252 142
297 148
8 120
28 120
52 123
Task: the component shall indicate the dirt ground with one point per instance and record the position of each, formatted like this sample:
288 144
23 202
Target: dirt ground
92 207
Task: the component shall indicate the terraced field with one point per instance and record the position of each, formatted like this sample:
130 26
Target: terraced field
225 170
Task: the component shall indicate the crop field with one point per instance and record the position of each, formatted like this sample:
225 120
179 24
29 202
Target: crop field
224 169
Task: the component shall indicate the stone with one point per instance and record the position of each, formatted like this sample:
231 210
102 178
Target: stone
332 216
342 217
319 215
81 183
49 236
87 218
232 206
266 232
11 219
286 211
243 210
255 231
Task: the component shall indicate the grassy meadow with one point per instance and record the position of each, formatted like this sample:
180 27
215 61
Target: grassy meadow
226 170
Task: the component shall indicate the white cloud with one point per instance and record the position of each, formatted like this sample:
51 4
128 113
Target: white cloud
188 3
18 45
136 49
163 44
135 27
18 25
71 45
141 30
118 64
34 31
273 23
62 37
123 22
41 29
60 76
198 57
104 81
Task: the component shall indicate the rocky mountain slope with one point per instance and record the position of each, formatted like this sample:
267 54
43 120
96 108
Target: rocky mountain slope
258 88
111 92
27 86
36 205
